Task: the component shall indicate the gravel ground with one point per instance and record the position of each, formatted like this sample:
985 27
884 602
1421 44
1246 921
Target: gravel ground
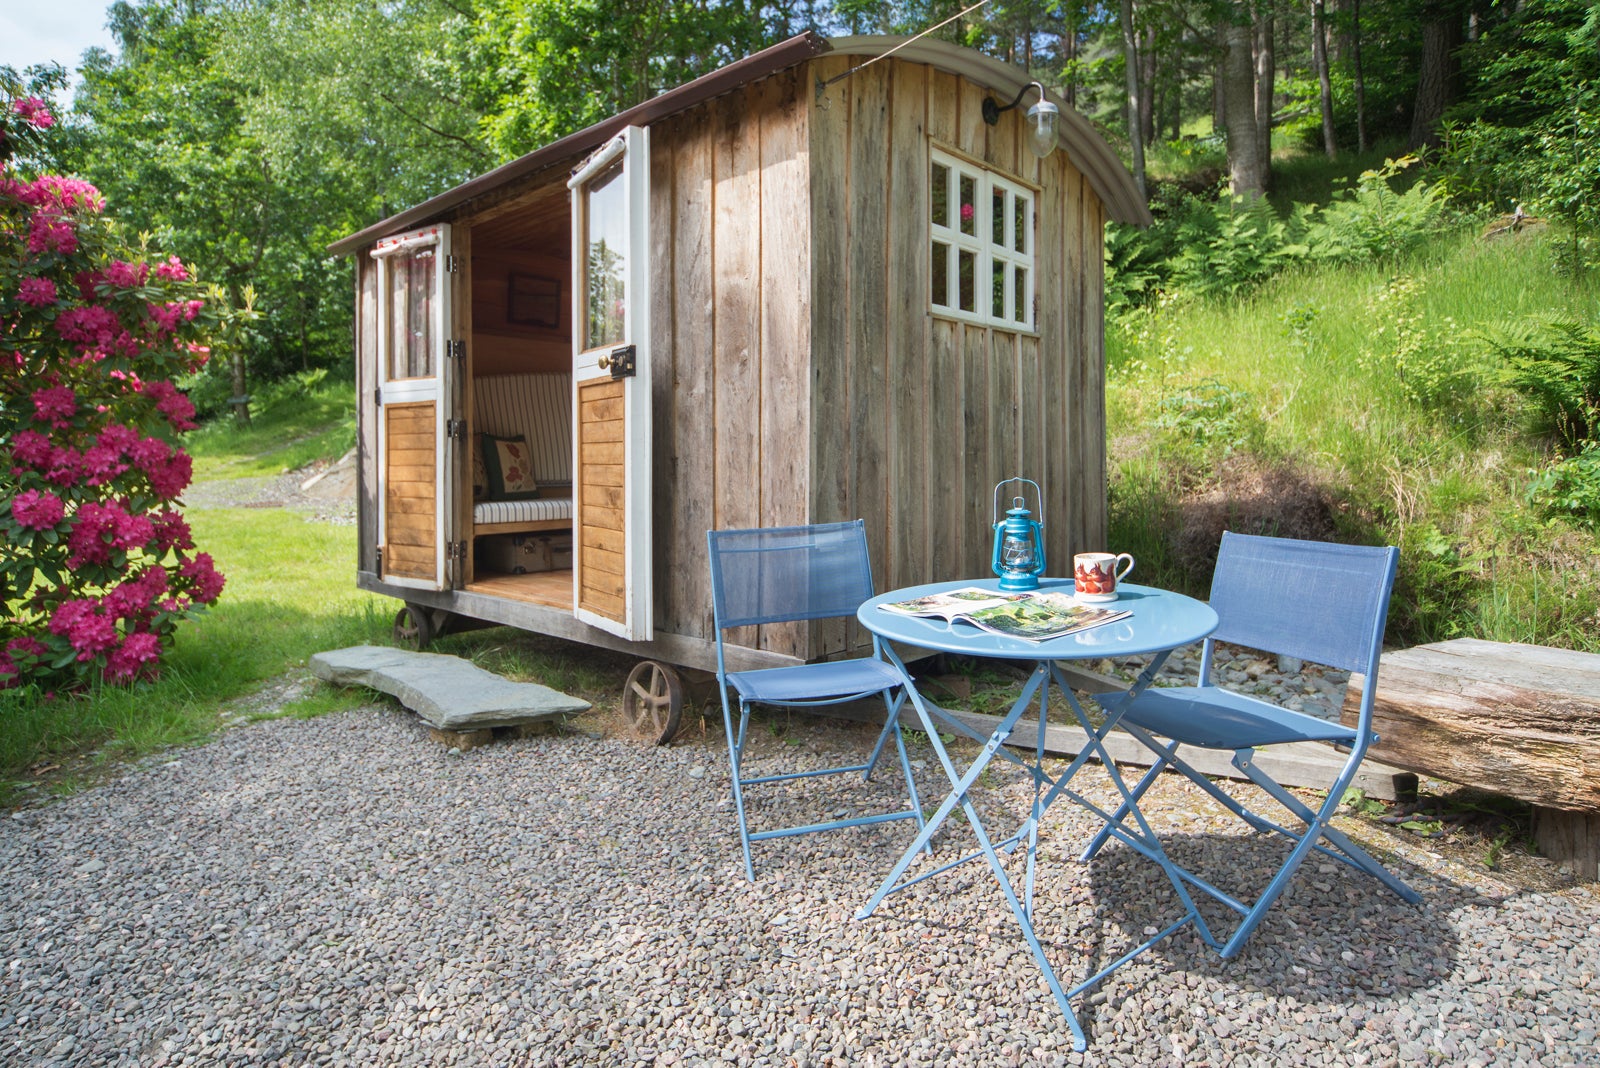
344 891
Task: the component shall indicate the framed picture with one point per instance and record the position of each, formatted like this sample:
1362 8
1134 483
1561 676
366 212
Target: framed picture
533 301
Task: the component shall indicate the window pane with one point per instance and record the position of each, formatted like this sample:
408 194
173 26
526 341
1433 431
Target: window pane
969 205
998 217
940 268
605 264
968 281
1020 290
941 195
997 287
411 343
1020 234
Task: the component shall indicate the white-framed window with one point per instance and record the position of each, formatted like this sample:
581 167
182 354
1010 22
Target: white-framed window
981 244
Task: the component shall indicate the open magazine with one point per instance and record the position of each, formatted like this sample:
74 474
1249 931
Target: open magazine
1032 616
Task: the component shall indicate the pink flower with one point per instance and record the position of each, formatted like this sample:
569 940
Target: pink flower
85 627
207 581
967 212
119 437
32 448
178 409
49 232
34 112
131 600
40 292
55 405
172 477
173 269
25 647
95 326
36 510
171 531
60 194
66 466
136 657
103 463
127 275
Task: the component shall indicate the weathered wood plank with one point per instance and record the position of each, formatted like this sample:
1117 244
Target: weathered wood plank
867 309
736 328
829 449
785 325
910 478
1514 719
687 506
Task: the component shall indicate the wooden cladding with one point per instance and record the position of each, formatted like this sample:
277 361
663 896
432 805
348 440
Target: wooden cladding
928 413
410 535
600 484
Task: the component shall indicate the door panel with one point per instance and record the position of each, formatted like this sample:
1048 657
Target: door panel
612 565
417 378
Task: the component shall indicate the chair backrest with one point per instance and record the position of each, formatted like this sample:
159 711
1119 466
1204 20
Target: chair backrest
1319 601
782 574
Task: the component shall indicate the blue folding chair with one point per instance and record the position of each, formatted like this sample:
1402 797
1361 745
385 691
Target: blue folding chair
1321 602
790 574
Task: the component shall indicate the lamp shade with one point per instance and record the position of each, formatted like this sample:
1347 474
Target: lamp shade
1044 118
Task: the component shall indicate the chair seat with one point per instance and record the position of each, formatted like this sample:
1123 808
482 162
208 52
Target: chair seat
808 681
1213 718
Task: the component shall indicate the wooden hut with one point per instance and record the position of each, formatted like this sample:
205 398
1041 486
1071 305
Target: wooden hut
776 295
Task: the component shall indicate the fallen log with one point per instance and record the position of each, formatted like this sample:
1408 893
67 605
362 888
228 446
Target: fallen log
1518 720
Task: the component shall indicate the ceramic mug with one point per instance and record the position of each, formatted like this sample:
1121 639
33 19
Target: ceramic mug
1095 575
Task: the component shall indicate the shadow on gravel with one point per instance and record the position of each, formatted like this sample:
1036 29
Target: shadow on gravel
1333 935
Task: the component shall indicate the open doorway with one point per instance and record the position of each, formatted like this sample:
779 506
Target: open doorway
518 400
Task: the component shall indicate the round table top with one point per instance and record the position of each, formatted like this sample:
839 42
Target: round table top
1160 620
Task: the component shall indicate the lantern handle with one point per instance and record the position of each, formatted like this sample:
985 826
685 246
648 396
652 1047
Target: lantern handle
1038 500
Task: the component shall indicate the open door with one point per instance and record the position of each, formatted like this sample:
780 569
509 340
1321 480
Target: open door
611 565
416 373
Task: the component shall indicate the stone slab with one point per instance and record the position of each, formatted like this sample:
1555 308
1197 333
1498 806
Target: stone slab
449 693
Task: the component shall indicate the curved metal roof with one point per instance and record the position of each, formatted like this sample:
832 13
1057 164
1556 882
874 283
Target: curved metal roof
1088 151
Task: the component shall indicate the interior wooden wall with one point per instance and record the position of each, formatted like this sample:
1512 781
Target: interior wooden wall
730 324
500 346
919 417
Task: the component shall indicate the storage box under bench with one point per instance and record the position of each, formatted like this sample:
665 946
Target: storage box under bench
521 554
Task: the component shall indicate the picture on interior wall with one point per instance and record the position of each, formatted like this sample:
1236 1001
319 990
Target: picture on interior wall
533 301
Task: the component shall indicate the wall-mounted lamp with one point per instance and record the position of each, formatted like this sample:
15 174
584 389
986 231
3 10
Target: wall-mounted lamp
1043 118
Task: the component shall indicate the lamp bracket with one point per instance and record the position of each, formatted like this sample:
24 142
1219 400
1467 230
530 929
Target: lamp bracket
992 111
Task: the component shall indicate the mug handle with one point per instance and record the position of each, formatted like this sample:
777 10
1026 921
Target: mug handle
1124 572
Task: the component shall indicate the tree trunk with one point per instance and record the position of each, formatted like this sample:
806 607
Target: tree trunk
1147 87
1319 59
1219 75
1436 81
1130 63
1360 76
240 400
1264 45
1245 177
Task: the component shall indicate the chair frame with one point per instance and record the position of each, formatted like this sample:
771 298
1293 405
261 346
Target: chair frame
893 695
1382 564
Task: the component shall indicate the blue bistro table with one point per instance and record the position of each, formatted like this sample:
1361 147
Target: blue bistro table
1160 622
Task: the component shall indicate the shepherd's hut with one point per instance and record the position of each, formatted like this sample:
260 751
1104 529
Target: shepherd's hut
821 283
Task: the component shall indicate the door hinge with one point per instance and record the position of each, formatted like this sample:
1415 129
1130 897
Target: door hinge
380 561
455 428
623 362
377 397
452 264
455 349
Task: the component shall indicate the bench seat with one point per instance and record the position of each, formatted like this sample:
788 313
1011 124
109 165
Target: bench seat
542 513
536 407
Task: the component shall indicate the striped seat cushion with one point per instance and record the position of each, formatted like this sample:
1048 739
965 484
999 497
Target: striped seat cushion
539 510
536 407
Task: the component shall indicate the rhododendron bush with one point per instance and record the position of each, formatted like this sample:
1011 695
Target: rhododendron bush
97 565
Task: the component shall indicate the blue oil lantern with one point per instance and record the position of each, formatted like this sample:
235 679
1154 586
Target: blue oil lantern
1018 539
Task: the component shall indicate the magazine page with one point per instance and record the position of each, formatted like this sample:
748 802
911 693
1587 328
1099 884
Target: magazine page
1042 616
962 602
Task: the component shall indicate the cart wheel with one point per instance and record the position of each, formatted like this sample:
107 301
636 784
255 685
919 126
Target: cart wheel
652 701
413 627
